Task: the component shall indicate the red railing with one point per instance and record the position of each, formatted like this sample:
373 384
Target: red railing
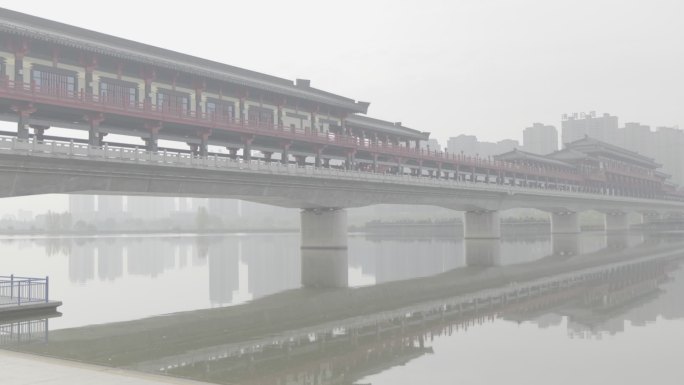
145 110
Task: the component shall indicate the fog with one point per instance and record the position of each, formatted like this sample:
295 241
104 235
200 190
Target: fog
485 68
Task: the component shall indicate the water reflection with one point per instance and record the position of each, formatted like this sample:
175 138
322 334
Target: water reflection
325 268
343 335
26 330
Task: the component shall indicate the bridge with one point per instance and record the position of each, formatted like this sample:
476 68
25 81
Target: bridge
288 144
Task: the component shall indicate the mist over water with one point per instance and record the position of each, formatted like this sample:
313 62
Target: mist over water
464 310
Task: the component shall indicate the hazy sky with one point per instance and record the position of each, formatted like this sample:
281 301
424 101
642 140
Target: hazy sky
488 68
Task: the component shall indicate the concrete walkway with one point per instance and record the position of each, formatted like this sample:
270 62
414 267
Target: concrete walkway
26 369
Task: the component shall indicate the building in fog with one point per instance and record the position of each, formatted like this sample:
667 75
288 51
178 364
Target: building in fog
638 137
462 144
110 207
577 126
469 145
151 208
82 207
225 209
599 165
668 144
431 144
540 139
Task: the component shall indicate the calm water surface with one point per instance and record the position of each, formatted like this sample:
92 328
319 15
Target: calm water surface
255 309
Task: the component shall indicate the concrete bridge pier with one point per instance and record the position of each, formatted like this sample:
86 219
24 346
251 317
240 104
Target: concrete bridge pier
482 252
565 222
324 228
482 225
616 221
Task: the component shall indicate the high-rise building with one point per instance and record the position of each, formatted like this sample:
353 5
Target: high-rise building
668 144
469 145
504 146
463 144
226 209
577 126
150 207
431 144
540 139
638 137
109 206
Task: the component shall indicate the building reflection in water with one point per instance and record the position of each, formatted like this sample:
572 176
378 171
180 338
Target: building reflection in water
247 267
110 259
592 293
223 262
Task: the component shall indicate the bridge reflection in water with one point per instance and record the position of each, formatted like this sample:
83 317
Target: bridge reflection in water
338 335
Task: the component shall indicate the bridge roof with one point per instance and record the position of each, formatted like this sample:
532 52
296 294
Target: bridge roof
588 145
21 24
385 127
518 155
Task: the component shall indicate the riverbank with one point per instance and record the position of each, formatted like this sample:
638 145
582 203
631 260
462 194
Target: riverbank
28 369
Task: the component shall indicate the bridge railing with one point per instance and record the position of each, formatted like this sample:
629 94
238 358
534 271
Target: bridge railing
147 110
165 157
16 290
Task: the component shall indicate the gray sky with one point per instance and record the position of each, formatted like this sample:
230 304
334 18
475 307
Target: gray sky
488 68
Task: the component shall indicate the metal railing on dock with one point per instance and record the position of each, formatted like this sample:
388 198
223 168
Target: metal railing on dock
21 290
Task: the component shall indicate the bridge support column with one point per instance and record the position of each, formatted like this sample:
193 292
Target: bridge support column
565 222
324 228
482 252
616 221
482 225
267 156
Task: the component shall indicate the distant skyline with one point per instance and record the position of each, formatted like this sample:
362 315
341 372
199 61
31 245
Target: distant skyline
484 68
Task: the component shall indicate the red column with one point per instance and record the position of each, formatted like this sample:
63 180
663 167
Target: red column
152 140
285 154
94 135
20 50
203 134
247 148
39 131
24 111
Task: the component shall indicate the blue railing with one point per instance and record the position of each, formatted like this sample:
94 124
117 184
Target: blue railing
21 290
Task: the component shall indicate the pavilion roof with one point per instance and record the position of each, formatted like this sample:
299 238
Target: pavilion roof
21 24
593 146
386 127
518 155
